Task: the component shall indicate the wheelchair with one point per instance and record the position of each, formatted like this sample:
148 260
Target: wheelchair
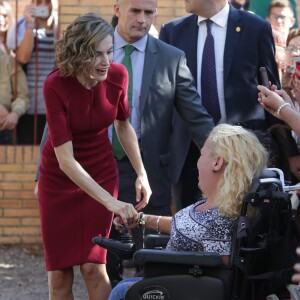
261 261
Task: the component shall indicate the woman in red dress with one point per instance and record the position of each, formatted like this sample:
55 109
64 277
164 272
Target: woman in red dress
78 183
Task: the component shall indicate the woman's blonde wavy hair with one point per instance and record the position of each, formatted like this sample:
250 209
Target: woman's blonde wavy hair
244 157
75 51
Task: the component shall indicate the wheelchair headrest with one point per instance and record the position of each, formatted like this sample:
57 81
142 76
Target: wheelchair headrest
270 178
268 173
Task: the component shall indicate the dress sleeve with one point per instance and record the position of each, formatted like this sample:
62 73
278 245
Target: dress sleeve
123 105
123 110
56 114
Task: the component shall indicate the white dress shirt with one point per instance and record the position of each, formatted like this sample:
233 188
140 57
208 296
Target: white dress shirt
137 59
219 29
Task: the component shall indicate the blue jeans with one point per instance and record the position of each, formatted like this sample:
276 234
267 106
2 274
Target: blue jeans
119 291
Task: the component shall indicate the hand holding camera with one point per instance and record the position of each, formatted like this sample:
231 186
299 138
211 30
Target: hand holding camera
41 11
296 72
31 12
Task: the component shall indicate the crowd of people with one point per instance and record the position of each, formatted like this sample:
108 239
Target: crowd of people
29 42
123 117
14 100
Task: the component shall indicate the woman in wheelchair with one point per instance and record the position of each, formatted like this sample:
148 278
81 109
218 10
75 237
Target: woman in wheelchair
230 158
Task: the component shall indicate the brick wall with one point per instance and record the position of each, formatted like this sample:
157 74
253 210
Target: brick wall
19 216
69 9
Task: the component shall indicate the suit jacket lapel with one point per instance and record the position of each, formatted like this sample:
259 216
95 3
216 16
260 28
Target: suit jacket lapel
234 30
149 66
190 43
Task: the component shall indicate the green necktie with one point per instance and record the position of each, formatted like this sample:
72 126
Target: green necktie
126 61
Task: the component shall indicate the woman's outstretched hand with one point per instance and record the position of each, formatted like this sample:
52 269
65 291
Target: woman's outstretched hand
119 225
125 211
271 100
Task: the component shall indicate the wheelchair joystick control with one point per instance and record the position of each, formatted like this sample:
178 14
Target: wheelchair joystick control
124 248
126 238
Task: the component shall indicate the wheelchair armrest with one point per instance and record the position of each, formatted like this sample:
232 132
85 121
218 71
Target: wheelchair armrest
156 241
205 259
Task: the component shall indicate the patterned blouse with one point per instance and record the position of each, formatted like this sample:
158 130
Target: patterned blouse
207 231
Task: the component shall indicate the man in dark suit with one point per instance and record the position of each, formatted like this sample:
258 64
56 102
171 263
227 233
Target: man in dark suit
161 82
243 44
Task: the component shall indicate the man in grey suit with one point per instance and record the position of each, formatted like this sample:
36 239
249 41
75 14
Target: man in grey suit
161 81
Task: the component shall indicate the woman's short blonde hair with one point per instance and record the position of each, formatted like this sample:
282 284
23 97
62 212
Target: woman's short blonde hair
75 51
244 157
